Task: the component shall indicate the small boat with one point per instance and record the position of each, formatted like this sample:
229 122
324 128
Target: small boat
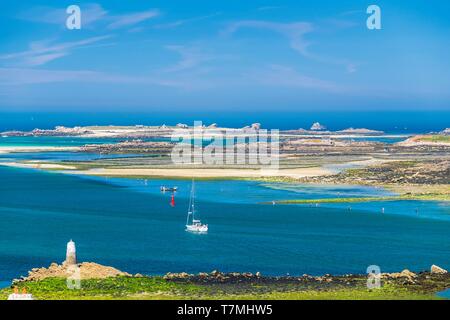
193 224
169 189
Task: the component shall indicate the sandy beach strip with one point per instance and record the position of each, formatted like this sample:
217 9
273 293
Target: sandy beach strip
37 165
177 173
217 173
12 149
212 173
207 173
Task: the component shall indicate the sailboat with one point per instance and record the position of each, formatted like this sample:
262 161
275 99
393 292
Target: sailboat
192 224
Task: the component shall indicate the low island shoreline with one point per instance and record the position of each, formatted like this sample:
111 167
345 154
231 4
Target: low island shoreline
106 283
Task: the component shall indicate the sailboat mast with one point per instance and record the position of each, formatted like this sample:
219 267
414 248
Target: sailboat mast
191 204
193 199
187 219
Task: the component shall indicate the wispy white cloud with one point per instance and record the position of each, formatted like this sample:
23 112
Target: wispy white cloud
190 57
340 23
90 13
294 32
43 59
181 22
28 76
42 52
351 67
24 76
284 76
132 19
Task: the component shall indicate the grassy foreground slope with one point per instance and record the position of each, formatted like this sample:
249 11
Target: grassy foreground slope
422 286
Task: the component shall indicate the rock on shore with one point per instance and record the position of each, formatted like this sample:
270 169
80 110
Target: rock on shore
88 270
438 270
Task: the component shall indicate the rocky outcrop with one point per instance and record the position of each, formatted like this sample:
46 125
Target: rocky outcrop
75 131
88 270
213 276
361 131
317 126
406 275
396 173
136 146
59 131
438 270
319 130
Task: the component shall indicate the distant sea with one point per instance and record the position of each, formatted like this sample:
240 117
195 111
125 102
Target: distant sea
394 122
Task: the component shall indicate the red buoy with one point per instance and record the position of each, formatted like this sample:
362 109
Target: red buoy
172 201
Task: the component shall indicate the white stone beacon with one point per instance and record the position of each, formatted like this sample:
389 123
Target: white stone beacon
71 255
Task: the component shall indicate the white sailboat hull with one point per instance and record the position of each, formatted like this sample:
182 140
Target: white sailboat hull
197 228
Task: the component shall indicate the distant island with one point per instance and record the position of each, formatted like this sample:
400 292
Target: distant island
141 131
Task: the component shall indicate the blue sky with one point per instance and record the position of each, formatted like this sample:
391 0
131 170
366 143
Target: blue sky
224 55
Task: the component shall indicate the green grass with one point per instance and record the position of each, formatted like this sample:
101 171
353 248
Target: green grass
436 138
156 288
339 200
431 197
109 288
385 293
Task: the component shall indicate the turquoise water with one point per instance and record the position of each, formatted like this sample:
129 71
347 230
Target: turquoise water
245 191
444 294
60 156
61 142
130 225
382 139
53 141
45 141
419 209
